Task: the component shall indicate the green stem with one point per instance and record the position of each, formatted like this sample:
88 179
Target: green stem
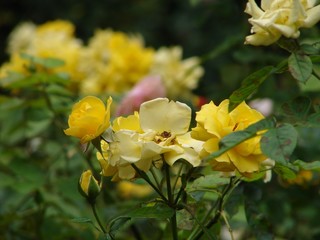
223 214
219 205
183 185
167 173
178 176
173 219
94 210
146 178
174 228
154 174
197 220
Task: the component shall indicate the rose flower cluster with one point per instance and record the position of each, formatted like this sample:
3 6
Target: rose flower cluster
159 133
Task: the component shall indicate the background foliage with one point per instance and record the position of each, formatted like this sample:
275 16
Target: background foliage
39 175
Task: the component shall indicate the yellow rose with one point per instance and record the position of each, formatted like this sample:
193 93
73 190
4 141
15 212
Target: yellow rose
278 18
89 119
215 122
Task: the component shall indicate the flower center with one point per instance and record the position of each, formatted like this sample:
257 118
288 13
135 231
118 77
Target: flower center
165 138
165 134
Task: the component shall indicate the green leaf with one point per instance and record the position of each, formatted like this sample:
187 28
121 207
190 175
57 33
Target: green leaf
284 171
312 85
310 49
315 59
157 211
263 124
249 86
307 165
282 66
29 176
116 224
45 62
26 82
300 66
235 138
298 108
211 181
314 120
58 90
278 143
34 128
82 220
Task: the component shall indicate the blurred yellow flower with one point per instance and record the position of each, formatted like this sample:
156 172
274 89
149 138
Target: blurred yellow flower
127 189
56 40
180 76
89 119
215 122
278 18
53 39
89 186
303 177
114 62
21 38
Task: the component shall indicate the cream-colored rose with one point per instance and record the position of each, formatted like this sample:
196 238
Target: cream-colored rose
160 132
180 76
278 18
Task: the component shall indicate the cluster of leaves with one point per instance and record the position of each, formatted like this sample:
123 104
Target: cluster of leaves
38 185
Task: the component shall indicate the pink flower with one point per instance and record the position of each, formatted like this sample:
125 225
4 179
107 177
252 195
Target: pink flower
148 88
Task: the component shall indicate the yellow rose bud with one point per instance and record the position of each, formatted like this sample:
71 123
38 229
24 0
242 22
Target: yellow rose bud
89 187
89 119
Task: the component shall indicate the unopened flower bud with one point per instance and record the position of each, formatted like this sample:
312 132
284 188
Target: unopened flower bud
89 187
